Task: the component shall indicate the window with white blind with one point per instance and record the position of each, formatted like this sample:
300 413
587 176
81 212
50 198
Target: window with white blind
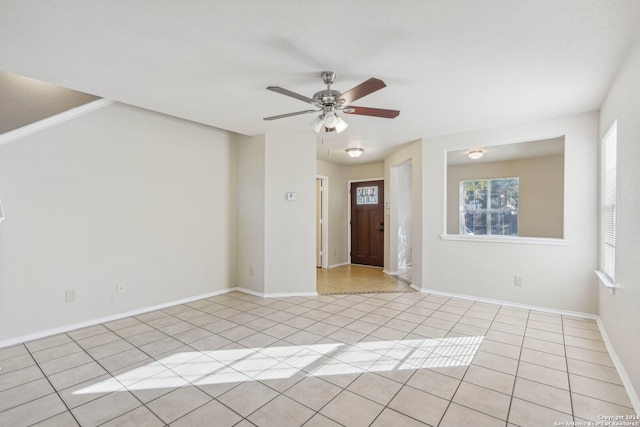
608 207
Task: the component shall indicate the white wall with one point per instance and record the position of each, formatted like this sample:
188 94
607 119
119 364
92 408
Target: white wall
553 276
251 210
338 246
120 194
290 238
541 192
620 312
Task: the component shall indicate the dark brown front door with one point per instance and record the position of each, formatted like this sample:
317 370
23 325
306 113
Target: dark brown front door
367 223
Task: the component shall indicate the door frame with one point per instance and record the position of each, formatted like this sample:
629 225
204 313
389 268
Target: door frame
349 182
324 212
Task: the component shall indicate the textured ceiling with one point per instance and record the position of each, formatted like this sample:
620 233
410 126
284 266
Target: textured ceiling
449 66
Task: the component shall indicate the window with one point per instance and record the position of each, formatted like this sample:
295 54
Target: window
489 206
608 204
367 195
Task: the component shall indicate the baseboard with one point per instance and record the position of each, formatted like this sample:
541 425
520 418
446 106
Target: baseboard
105 319
339 265
118 316
626 381
275 294
390 273
511 304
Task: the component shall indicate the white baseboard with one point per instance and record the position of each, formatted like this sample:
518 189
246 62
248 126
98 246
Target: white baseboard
275 294
626 381
92 322
511 304
390 273
105 319
339 265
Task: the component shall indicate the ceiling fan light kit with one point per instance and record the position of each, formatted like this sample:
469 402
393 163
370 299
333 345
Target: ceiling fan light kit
329 102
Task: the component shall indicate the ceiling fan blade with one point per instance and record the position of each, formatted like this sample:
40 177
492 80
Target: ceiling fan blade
297 113
363 89
375 112
291 94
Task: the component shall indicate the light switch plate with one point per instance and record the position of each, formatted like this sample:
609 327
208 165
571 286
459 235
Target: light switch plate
291 196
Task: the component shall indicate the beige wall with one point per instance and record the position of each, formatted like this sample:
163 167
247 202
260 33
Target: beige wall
620 312
290 237
251 217
541 192
338 245
119 194
276 237
26 101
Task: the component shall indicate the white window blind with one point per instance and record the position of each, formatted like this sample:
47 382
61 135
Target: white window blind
608 204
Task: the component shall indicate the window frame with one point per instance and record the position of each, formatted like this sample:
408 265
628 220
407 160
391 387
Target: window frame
488 211
608 207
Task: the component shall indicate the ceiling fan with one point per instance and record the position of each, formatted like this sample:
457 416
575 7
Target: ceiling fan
329 102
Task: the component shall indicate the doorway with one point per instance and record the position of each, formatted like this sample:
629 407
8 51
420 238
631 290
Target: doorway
401 221
367 223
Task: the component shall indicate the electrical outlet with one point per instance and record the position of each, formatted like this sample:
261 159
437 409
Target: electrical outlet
517 281
69 295
120 288
250 271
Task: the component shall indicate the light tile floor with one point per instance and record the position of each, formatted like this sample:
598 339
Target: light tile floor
386 359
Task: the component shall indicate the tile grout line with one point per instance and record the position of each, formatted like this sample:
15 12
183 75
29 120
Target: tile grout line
462 379
566 359
315 321
345 388
465 372
116 379
515 379
279 393
53 387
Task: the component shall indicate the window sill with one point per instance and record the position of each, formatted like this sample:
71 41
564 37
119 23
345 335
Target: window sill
505 239
606 281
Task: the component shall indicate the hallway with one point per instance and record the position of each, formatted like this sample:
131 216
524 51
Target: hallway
350 279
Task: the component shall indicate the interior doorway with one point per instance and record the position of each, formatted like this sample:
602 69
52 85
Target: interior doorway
367 223
401 218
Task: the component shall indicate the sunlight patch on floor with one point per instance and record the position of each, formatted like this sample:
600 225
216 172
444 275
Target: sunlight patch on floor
281 362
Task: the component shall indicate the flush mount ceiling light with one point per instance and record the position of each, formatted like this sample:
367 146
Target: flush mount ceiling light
329 102
354 151
476 154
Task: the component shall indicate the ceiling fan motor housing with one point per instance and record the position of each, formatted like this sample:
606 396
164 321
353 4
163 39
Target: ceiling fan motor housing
328 77
327 97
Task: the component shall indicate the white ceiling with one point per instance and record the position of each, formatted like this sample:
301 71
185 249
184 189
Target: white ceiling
449 66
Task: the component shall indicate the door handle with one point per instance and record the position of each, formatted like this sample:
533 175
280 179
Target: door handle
380 229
